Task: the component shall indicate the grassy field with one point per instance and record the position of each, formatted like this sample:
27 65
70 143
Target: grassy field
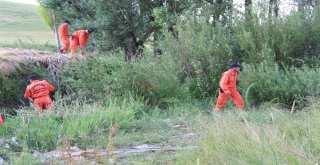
21 22
267 136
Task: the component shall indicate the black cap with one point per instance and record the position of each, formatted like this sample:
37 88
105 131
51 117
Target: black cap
90 30
234 64
31 77
66 21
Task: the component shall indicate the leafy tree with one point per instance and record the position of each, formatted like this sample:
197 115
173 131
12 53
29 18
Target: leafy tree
122 24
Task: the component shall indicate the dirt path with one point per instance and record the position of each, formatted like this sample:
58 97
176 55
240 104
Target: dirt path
11 59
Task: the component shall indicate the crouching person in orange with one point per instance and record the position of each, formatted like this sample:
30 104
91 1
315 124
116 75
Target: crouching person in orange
1 119
64 36
80 39
228 88
39 91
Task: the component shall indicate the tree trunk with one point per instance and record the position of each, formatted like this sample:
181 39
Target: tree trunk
276 8
55 31
131 47
273 9
301 6
248 9
217 4
270 9
156 50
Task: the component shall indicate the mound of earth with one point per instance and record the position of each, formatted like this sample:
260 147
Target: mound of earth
11 59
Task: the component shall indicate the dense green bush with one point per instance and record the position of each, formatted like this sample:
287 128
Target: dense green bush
273 84
102 78
201 54
11 88
13 85
94 78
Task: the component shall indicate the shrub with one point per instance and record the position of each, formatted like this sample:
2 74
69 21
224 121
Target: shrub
93 78
273 84
201 54
107 77
13 85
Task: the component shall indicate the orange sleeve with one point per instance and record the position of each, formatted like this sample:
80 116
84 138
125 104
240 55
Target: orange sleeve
27 93
224 82
49 86
83 39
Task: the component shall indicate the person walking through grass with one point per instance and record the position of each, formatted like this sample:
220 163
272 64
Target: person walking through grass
228 88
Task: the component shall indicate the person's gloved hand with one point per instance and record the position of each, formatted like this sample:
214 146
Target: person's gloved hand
82 52
220 90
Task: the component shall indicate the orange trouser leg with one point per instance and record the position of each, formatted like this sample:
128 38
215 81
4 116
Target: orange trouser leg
43 103
66 45
237 99
74 44
1 121
222 100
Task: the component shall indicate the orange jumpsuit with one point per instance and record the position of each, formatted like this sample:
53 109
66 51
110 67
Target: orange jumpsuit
39 91
64 37
1 120
80 38
229 89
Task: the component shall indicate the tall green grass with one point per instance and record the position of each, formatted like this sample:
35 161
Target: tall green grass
265 137
83 125
87 126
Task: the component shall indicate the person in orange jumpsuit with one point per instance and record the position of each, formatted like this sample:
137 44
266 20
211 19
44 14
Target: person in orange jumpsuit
39 91
80 39
64 36
1 119
228 88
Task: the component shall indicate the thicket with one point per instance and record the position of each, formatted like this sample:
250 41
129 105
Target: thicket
13 85
280 65
279 85
280 58
105 77
276 58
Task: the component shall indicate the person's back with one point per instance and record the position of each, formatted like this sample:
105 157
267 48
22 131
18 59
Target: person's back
64 31
82 37
39 91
